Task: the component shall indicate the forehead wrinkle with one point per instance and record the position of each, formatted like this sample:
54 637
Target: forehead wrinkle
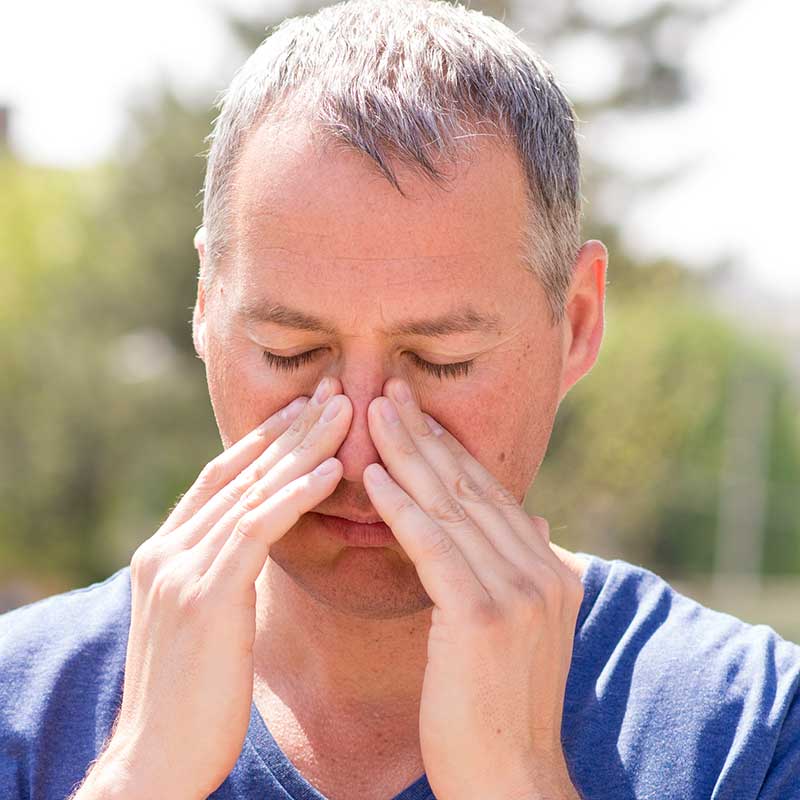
461 320
262 250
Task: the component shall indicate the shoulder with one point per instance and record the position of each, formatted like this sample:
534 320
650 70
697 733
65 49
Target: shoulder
623 598
672 641
674 682
62 662
57 627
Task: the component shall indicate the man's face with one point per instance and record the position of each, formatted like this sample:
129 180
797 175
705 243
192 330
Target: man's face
319 231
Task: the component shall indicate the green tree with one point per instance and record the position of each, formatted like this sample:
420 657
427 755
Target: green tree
105 418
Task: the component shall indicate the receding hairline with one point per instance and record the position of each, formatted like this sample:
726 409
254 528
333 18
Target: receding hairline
450 163
449 160
401 74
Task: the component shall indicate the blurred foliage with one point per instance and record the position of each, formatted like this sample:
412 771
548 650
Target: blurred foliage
636 458
104 414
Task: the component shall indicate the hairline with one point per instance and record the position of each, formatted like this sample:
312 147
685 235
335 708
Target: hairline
278 114
529 106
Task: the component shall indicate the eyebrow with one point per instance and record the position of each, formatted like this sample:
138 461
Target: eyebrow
460 320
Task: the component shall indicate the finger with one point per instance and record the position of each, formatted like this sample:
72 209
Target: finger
408 467
246 548
508 505
228 495
443 570
480 494
323 440
228 464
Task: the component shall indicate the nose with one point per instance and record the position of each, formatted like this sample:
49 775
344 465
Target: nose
361 385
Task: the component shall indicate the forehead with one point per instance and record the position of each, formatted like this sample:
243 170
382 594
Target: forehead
319 212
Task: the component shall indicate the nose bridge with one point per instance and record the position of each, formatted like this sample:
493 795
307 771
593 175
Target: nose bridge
362 380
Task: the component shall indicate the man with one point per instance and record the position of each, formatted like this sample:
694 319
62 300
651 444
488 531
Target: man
350 601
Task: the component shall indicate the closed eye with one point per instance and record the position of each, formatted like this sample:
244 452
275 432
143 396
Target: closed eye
291 363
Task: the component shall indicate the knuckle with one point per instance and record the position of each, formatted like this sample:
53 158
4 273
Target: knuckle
445 508
190 598
525 587
548 587
466 489
144 564
246 526
253 497
165 587
527 600
419 427
403 505
167 580
232 493
406 445
256 471
484 613
440 545
498 495
210 476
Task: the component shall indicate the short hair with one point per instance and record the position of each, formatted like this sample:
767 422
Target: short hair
394 78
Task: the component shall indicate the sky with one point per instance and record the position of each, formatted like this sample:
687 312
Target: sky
67 68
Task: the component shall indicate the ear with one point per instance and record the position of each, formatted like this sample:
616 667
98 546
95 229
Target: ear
199 313
584 314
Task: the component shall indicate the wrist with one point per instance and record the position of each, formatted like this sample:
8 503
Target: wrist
106 781
114 777
538 783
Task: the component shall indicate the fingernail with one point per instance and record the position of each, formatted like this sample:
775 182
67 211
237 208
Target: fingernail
294 408
401 393
433 424
323 391
329 465
388 411
332 409
375 473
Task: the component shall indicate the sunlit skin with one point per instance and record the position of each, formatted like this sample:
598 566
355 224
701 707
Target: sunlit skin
342 632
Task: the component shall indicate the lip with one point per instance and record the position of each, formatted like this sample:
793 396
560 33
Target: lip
357 534
356 519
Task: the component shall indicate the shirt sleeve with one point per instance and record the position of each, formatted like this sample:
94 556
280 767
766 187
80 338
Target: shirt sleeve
782 781
62 663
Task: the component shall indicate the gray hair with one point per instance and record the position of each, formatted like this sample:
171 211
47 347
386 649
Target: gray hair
393 78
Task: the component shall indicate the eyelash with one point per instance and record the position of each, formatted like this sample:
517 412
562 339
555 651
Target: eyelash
291 363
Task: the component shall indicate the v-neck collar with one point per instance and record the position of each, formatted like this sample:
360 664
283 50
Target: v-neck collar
297 787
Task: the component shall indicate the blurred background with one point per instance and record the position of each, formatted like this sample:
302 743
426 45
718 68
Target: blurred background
679 452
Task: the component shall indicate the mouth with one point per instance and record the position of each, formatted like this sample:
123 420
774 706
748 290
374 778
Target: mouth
356 518
358 533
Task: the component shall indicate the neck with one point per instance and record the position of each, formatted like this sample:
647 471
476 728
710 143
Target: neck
314 656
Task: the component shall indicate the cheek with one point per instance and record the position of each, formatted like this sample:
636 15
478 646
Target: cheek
505 423
242 388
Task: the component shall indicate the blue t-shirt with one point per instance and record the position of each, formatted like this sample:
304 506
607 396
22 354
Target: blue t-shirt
665 700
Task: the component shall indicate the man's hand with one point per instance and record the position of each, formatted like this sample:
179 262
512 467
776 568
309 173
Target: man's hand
505 608
189 667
